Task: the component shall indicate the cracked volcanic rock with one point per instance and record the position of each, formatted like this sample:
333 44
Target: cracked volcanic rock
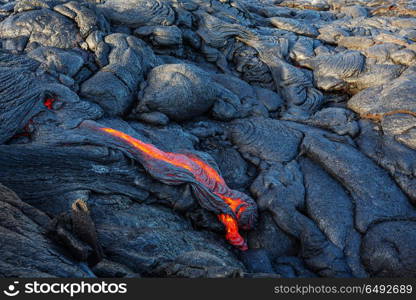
163 138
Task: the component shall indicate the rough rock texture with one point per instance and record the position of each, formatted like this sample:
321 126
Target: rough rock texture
182 92
306 107
44 27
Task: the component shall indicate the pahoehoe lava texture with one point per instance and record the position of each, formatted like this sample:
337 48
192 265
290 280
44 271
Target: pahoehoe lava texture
285 127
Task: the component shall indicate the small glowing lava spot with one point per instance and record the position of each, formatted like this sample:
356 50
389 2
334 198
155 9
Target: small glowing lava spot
100 169
49 103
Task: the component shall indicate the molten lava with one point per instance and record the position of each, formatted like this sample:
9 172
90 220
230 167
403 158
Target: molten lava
49 103
231 232
232 207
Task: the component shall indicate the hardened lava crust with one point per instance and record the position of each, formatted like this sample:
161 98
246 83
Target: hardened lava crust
220 138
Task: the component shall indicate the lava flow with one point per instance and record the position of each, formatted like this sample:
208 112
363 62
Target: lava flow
49 102
234 209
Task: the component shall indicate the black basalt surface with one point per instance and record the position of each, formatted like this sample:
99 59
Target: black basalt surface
306 107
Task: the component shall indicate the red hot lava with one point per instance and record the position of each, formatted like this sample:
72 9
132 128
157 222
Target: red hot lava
49 102
234 209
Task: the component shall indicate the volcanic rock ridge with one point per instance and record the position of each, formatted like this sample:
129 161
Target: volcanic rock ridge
207 138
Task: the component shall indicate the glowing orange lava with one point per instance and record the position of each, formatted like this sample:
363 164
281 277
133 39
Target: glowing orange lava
49 103
203 174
